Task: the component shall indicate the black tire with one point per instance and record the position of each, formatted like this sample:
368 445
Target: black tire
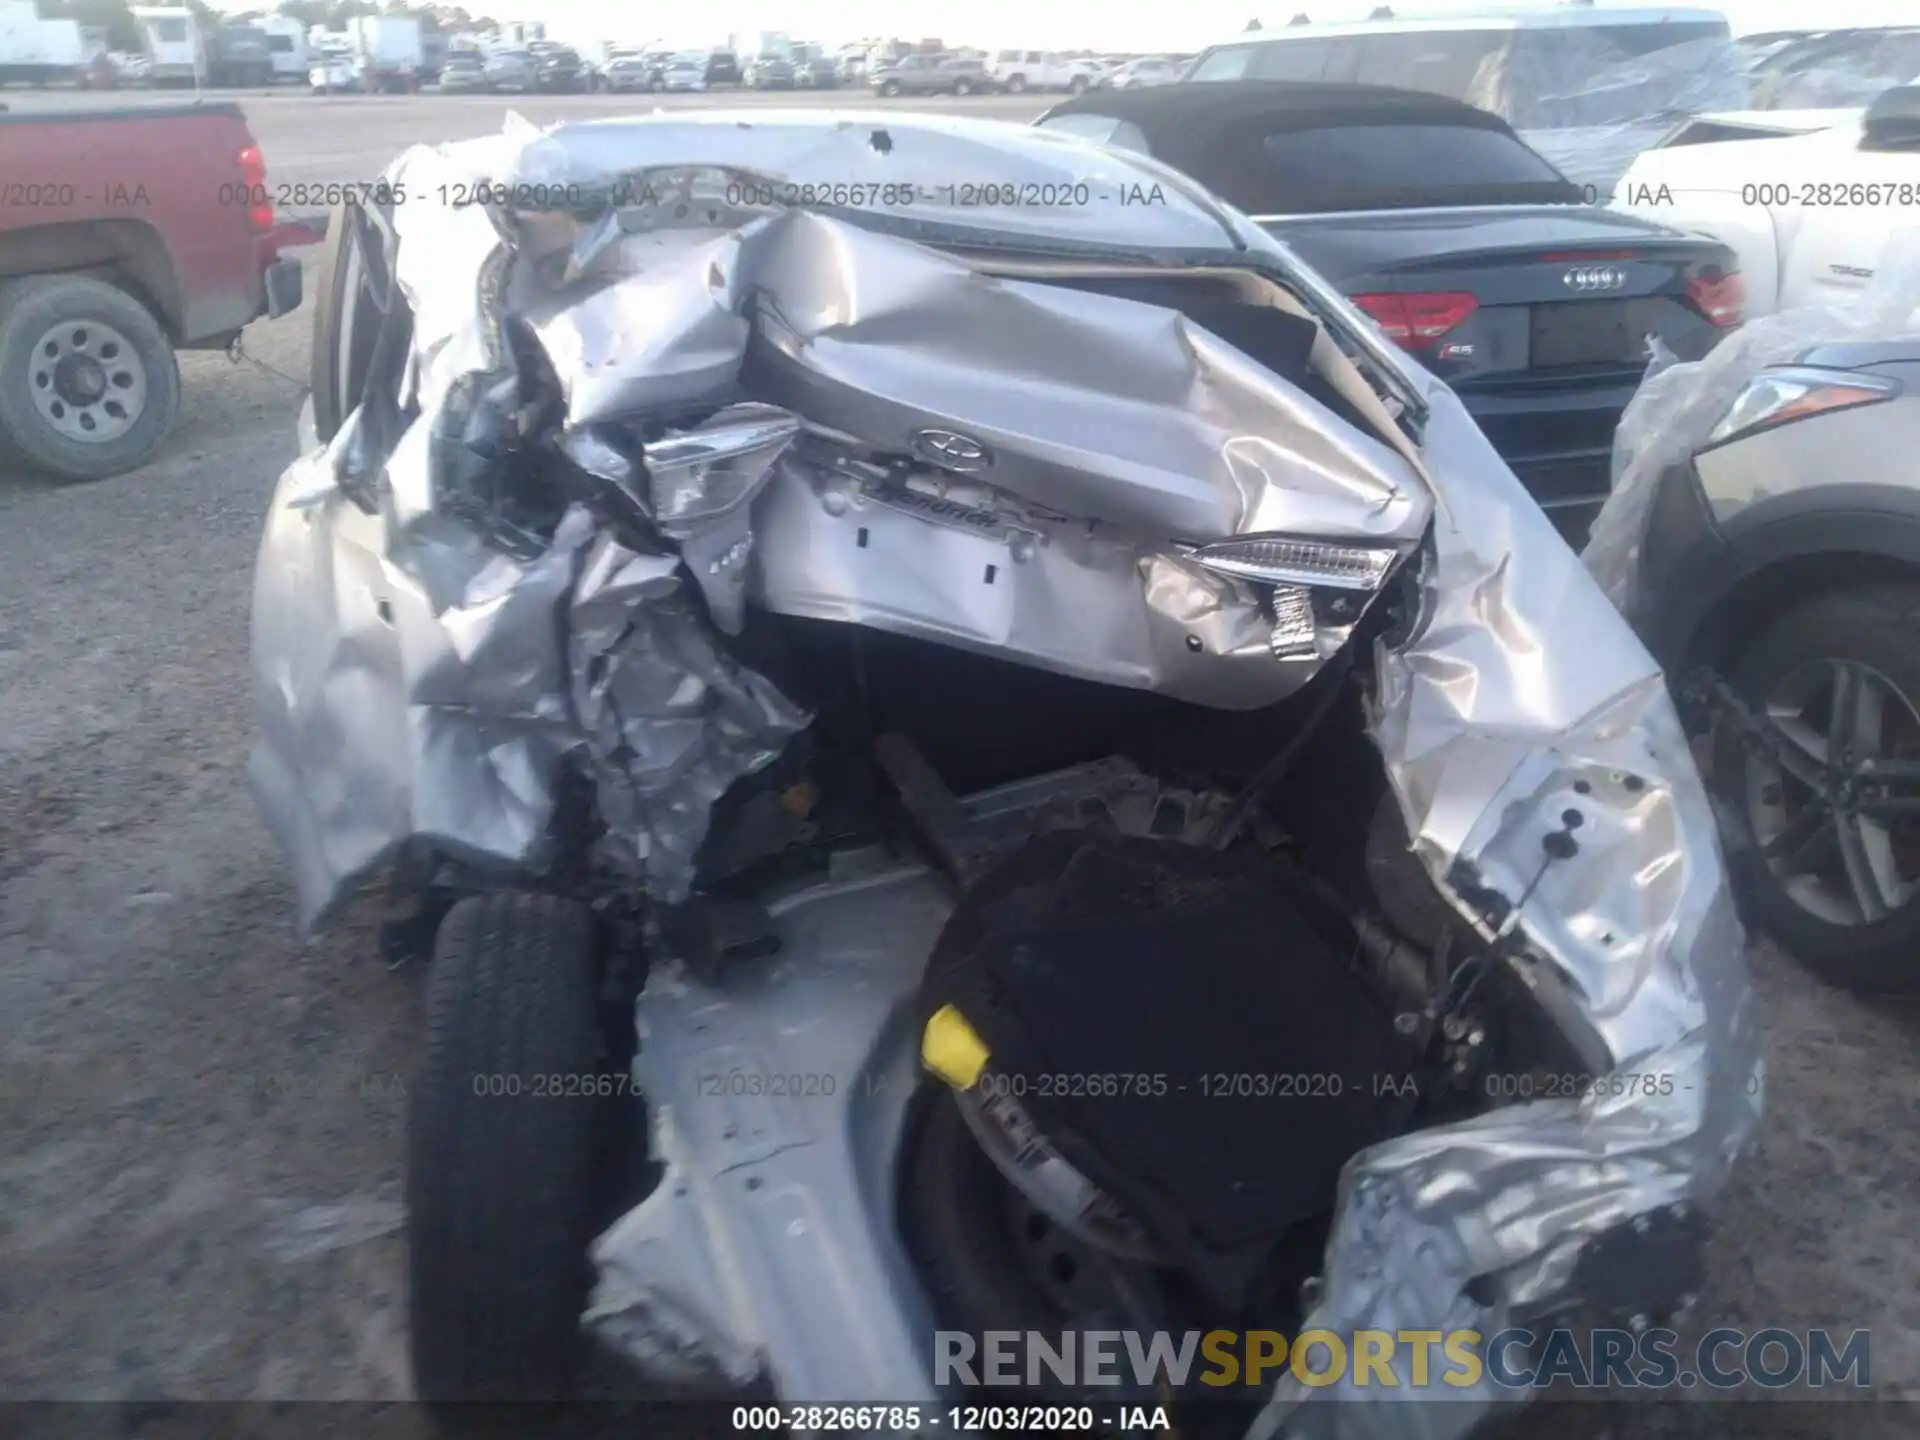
1874 626
1077 85
500 1187
962 87
1016 84
890 88
29 308
949 1202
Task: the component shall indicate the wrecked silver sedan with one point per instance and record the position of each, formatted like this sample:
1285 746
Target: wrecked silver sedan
942 671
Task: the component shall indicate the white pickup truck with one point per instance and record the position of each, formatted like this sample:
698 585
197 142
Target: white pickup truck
1020 70
1808 208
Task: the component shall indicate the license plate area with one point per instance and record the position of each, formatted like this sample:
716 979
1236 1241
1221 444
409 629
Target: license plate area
1592 332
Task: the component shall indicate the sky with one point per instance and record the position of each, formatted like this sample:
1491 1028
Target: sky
1117 25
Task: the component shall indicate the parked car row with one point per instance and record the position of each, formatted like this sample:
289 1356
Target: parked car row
551 67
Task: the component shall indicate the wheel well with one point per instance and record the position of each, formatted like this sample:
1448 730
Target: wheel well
1766 594
126 253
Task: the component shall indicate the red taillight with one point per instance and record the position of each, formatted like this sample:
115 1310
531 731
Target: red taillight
1721 298
253 174
1415 321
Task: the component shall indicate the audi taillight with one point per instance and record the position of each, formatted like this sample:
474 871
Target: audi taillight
1416 321
1722 298
253 174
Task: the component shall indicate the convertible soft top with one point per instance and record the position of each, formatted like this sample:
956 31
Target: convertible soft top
1294 104
1218 133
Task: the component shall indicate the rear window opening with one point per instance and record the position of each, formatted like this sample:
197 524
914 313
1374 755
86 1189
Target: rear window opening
1371 167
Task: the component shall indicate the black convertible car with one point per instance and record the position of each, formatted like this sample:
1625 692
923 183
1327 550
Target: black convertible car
1467 248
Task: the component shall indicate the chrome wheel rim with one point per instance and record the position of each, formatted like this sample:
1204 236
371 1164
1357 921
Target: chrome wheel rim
87 381
1833 795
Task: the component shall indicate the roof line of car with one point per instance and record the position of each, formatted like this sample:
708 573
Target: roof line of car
1575 17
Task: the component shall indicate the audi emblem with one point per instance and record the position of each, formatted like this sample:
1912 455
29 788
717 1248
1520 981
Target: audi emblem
951 451
1593 279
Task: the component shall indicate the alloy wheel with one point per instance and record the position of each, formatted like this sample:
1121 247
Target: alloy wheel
1833 795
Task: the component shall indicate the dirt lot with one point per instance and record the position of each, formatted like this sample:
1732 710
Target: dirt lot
200 1142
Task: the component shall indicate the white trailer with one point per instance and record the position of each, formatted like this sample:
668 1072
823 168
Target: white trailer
287 44
389 52
171 37
38 51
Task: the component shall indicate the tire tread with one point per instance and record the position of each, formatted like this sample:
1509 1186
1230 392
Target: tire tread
499 1187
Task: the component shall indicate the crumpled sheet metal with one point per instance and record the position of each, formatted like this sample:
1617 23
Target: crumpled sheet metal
671 720
664 343
384 716
1679 403
646 318
941 169
390 714
1124 412
1522 695
1098 608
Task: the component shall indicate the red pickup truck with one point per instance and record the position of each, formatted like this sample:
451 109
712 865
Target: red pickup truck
125 235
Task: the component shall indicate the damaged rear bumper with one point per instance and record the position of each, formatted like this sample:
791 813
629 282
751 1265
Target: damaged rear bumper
428 654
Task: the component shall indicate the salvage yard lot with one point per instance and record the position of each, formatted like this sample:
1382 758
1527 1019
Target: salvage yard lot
200 1119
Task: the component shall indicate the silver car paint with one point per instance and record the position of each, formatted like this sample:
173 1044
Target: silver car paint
1520 695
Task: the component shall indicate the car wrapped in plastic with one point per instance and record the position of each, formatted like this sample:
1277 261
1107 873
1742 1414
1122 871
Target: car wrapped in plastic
966 681
1763 537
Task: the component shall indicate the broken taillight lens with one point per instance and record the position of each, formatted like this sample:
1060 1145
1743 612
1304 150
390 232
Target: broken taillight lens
1300 560
1721 298
1415 321
253 174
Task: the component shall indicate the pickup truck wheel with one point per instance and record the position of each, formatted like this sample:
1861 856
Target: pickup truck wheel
1077 85
503 1133
1016 84
1827 790
88 382
890 87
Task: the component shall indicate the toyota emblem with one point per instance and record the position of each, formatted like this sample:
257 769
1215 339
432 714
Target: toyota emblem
951 451
1594 279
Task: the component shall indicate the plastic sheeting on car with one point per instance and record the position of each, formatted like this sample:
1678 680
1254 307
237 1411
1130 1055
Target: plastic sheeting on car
1834 69
1590 98
1679 403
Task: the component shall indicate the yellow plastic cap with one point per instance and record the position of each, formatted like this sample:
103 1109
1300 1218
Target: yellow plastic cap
951 1050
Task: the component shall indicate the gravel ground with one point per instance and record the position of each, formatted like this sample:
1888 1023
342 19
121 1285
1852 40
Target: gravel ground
200 1118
